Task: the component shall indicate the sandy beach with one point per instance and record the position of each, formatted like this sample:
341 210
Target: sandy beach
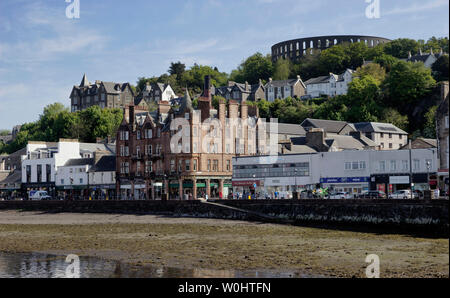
221 244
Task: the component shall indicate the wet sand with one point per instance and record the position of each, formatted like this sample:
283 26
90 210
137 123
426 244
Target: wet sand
221 244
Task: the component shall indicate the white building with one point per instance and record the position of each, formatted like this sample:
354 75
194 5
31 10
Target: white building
428 59
331 85
353 171
385 135
42 160
158 92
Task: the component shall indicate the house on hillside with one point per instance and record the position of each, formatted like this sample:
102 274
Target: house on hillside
284 89
331 85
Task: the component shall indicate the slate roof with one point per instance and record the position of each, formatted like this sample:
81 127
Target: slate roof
288 129
318 80
106 163
12 178
329 126
378 127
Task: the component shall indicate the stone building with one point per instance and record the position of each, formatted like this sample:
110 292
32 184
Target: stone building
240 92
428 59
183 152
158 92
442 128
102 94
284 89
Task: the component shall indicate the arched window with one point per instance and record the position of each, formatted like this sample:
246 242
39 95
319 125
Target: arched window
328 43
304 45
335 42
312 44
319 43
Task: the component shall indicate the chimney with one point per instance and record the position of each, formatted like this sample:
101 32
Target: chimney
244 111
246 86
207 87
260 82
270 80
231 83
298 78
315 138
132 118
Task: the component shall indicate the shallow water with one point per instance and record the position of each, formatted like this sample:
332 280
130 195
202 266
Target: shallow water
37 265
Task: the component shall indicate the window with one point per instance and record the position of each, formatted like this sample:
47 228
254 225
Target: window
348 165
382 145
416 165
138 151
194 166
446 121
138 168
228 165
393 165
355 165
390 136
159 133
381 135
172 165
81 180
382 165
148 167
215 165
362 165
138 135
391 146
188 165
404 165
62 181
400 137
180 165
209 165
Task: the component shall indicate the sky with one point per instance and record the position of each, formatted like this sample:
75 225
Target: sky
43 53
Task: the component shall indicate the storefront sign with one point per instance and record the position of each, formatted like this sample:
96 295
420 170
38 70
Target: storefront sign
245 183
399 180
345 180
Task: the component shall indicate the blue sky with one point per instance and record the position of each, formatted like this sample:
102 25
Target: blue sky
43 53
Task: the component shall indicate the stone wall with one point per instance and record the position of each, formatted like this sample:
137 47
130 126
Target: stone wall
418 215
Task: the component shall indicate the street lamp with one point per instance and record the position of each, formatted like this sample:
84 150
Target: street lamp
428 174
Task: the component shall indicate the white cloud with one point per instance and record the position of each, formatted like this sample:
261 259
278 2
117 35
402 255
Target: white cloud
416 7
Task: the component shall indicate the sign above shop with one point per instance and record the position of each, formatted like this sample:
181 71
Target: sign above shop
399 180
345 180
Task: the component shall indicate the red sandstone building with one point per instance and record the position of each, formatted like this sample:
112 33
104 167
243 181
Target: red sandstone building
183 152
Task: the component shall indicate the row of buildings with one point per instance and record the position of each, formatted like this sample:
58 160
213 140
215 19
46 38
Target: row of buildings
118 95
187 152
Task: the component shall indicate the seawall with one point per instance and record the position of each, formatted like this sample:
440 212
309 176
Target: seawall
388 215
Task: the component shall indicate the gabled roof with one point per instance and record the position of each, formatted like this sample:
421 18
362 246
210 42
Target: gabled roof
318 80
329 126
12 178
378 127
282 83
288 129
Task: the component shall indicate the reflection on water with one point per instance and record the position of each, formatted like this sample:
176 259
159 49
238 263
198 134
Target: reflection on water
35 265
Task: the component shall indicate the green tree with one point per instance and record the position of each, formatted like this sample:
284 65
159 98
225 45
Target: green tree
4 132
372 69
440 69
429 130
400 48
407 82
282 69
253 69
391 115
177 69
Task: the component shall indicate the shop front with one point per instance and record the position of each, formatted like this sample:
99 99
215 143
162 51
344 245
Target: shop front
352 185
392 183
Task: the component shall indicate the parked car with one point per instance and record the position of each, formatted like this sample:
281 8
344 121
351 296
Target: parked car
38 195
402 194
340 195
373 194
